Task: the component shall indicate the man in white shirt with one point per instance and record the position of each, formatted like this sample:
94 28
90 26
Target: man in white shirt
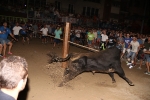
104 40
44 31
16 30
134 51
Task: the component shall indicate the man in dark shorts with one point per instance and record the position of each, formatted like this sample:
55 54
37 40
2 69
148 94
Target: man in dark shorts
24 34
4 32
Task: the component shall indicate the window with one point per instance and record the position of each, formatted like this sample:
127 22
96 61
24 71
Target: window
92 11
95 1
57 5
70 8
96 12
88 11
84 11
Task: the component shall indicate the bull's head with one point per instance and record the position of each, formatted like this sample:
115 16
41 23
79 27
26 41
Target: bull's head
55 58
74 68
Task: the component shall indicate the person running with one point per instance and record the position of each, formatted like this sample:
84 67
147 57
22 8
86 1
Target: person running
133 53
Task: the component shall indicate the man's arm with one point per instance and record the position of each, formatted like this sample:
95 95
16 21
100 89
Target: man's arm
13 36
147 52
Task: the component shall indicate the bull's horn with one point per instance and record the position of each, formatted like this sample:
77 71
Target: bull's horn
65 59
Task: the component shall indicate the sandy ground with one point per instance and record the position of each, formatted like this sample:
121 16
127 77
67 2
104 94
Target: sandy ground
44 79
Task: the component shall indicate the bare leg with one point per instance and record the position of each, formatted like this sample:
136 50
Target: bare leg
10 46
4 49
1 46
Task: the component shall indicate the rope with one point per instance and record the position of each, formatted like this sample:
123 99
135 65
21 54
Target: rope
91 49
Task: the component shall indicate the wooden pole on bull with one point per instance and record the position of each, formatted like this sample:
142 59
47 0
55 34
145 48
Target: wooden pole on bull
66 38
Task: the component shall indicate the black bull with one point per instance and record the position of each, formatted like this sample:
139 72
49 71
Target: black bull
107 61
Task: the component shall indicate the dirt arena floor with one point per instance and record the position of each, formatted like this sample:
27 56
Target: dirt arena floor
44 79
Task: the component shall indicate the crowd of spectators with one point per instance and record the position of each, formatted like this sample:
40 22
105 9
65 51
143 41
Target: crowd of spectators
87 31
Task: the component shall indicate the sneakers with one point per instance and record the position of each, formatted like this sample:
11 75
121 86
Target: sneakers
131 66
9 53
147 73
139 68
1 55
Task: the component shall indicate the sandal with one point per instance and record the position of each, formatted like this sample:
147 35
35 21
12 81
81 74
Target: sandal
10 53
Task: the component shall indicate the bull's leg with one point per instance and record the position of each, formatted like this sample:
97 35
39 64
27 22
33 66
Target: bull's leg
112 77
122 75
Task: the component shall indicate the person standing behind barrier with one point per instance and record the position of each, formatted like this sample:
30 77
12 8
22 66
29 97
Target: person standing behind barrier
77 34
147 55
90 37
57 34
104 40
95 38
120 41
44 31
4 32
16 30
99 37
111 41
13 77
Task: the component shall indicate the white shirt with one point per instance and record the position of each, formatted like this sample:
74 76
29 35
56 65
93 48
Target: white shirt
104 37
16 30
95 34
135 46
44 31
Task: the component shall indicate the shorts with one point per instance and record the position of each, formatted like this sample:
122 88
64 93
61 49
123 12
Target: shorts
56 41
125 49
132 55
24 35
4 41
16 36
147 56
77 39
44 37
90 42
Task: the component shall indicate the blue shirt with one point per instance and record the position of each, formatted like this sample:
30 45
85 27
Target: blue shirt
23 30
98 34
127 42
6 32
140 41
